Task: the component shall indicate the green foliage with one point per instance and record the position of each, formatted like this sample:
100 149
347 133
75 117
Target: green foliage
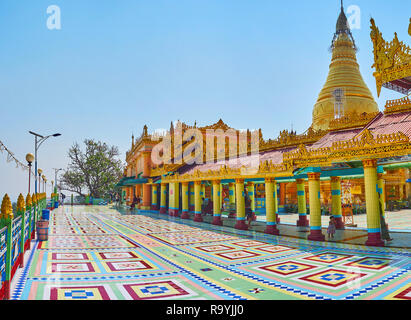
95 170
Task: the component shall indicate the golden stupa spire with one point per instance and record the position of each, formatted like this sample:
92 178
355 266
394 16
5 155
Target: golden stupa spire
344 91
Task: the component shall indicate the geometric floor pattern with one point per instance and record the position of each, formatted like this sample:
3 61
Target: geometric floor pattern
97 253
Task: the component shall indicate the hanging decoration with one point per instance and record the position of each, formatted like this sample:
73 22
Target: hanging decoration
12 158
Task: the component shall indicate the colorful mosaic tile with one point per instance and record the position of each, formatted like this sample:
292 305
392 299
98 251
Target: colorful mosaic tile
187 260
156 290
328 257
287 268
215 248
79 293
332 277
373 263
131 265
274 249
70 267
117 255
237 255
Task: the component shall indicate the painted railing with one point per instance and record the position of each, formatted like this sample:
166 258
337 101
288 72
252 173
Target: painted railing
16 233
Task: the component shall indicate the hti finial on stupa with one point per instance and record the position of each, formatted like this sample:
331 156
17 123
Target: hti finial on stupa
342 27
344 80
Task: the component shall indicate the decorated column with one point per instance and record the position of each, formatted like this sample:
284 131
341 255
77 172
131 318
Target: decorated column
270 208
203 193
146 187
163 199
35 209
251 195
372 204
191 204
231 193
281 207
184 199
21 210
197 202
216 203
154 197
146 197
302 204
276 206
315 207
336 209
29 208
174 199
221 195
239 194
381 191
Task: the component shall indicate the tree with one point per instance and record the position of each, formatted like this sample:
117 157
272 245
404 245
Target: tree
94 171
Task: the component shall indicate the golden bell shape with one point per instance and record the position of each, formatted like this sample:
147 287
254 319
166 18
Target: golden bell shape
6 208
344 77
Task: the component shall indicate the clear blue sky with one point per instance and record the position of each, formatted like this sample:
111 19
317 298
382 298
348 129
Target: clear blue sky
117 65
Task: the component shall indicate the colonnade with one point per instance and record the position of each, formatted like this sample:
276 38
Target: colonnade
192 195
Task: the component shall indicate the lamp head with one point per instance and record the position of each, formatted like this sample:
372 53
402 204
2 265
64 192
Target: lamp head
40 172
29 158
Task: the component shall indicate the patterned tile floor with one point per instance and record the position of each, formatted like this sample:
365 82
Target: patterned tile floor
397 221
96 253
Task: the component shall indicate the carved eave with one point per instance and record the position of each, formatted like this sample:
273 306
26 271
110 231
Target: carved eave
290 139
265 170
398 106
352 121
392 62
364 146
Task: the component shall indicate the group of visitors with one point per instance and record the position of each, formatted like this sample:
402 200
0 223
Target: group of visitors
136 201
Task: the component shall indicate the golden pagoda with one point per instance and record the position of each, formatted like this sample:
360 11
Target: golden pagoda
345 90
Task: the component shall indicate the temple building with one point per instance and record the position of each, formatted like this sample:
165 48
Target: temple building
351 155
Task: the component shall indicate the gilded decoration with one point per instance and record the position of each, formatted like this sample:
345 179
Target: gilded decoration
344 90
392 60
266 169
364 146
369 163
352 120
284 140
314 175
289 139
398 105
21 205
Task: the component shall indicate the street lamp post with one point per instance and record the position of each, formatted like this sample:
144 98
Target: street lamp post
44 184
29 159
39 171
38 140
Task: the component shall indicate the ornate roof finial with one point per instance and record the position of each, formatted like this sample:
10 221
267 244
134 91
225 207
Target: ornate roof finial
342 27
